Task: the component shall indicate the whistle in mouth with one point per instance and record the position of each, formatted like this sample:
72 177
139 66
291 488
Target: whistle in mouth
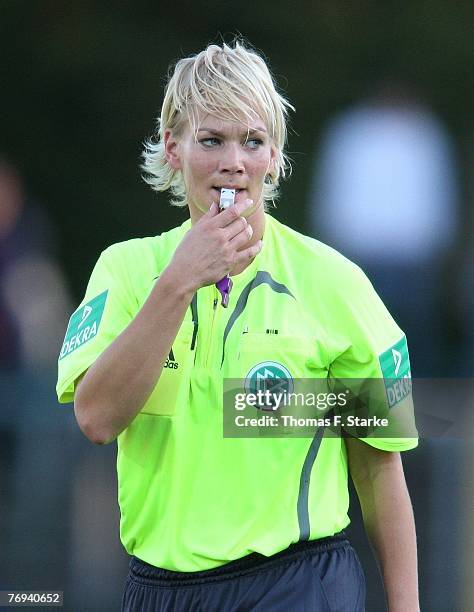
225 284
227 198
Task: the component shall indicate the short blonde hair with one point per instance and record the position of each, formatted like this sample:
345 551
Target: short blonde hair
231 83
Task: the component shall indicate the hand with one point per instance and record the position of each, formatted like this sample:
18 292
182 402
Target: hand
214 246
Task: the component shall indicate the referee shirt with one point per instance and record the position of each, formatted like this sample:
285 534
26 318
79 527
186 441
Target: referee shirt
191 499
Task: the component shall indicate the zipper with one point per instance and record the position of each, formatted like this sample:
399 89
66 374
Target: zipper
195 318
211 325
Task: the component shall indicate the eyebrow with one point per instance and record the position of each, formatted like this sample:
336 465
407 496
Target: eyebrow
218 133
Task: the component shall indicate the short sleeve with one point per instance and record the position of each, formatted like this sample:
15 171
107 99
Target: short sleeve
376 365
106 310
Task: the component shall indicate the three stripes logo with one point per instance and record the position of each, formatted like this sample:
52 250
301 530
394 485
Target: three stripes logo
171 362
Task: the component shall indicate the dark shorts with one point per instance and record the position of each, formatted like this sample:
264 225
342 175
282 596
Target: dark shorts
323 575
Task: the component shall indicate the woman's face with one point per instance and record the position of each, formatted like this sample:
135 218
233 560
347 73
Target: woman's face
222 154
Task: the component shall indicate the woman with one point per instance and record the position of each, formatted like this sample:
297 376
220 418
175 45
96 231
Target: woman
241 523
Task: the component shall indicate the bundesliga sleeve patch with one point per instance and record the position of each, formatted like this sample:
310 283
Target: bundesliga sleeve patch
395 365
83 325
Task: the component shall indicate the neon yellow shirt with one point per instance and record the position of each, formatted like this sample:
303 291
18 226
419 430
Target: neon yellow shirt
191 499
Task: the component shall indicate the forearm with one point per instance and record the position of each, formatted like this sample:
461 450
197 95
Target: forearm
117 385
388 519
390 526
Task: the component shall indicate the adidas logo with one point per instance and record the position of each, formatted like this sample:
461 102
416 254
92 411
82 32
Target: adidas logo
170 362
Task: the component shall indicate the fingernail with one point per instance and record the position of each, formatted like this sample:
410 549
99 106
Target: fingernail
249 202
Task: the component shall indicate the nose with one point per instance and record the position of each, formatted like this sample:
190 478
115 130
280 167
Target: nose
232 161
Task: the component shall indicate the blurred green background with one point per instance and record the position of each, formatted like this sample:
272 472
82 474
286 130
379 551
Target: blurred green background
82 84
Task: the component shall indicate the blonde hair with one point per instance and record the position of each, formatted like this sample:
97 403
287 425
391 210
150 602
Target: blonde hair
231 83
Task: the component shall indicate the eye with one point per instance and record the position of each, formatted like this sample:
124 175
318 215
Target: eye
253 143
209 142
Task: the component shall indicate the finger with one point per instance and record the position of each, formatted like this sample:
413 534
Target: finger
242 236
237 227
233 212
250 253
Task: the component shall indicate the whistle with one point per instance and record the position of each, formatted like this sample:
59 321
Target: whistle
225 284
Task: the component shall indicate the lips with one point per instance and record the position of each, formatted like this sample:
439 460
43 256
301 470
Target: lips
240 194
237 190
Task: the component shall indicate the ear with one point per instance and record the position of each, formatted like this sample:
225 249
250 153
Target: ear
273 158
172 150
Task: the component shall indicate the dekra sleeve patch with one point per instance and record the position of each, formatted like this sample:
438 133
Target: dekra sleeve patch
83 324
395 366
